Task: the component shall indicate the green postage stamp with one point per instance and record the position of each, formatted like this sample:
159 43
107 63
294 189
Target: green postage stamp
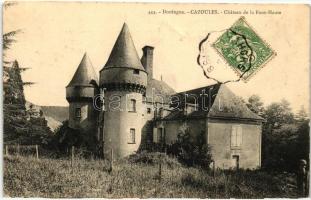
243 49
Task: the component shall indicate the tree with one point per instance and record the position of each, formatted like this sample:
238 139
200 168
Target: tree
282 146
39 131
285 139
303 140
255 104
65 137
8 39
19 124
301 115
14 110
277 114
191 150
241 99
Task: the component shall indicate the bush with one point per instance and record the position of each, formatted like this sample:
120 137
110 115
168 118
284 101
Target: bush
283 147
66 137
192 151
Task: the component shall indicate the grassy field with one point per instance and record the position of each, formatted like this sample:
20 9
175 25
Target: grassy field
28 177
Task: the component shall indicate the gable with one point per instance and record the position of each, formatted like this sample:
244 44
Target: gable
228 105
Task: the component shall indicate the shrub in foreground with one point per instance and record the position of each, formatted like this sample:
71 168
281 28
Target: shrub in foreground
191 150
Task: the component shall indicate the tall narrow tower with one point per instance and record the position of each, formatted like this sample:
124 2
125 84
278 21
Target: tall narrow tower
79 93
123 80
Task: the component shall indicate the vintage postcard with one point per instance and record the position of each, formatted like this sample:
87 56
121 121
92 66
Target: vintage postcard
155 100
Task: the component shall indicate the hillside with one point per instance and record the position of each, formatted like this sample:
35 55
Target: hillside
59 113
52 123
54 115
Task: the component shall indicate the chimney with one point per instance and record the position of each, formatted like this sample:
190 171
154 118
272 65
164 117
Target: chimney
147 60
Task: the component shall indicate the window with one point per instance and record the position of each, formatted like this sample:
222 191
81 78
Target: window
78 113
155 135
136 71
236 136
158 135
148 110
132 105
132 136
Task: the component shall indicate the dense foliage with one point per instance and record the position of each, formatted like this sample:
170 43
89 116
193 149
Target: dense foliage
285 136
21 125
66 137
191 150
15 118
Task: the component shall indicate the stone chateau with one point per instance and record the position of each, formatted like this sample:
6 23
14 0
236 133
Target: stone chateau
139 109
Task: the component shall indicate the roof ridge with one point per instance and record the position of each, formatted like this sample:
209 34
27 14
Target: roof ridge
200 88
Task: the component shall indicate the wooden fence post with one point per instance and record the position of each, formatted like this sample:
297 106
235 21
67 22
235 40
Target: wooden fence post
18 150
111 158
103 150
37 152
72 154
6 150
213 168
160 170
141 183
111 161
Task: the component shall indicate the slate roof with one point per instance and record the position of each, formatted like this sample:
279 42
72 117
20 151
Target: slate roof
220 102
210 90
124 53
228 105
158 89
84 74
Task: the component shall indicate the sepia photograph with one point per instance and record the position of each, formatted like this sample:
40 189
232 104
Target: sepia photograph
155 100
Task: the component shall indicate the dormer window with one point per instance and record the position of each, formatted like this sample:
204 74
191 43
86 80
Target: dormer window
136 71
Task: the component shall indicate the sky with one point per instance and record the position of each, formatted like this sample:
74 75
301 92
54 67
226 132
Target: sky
56 35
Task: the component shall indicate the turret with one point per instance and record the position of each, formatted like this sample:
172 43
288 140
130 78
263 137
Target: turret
123 81
79 93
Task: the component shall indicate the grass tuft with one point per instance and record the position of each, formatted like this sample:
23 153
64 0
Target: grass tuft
136 177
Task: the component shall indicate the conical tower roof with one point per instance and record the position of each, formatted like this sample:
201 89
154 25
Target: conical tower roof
124 53
84 74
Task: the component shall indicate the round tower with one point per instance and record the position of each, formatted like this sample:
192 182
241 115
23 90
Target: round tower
79 93
123 81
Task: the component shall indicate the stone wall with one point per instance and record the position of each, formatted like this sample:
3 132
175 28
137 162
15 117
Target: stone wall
219 138
218 134
88 118
119 121
173 127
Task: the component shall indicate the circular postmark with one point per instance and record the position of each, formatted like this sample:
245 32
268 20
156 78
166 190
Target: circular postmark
239 47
